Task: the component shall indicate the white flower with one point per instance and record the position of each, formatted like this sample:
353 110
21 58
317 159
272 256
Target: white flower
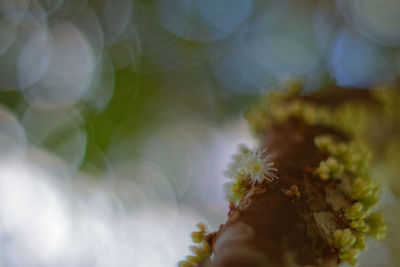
251 164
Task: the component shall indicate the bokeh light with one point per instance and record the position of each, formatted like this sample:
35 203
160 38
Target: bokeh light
118 117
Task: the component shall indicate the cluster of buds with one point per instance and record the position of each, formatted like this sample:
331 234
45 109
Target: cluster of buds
352 158
348 159
344 241
330 168
201 251
355 157
366 191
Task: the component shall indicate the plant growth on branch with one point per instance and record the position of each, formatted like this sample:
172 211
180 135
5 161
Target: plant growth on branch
305 195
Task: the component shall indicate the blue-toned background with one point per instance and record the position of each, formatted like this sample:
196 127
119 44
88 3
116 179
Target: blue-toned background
118 117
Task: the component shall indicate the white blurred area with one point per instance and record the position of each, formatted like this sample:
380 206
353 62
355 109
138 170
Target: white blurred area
139 214
62 57
44 223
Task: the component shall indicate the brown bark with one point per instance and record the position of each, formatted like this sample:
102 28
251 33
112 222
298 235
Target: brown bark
290 221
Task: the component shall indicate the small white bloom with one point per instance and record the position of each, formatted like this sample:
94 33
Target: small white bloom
251 164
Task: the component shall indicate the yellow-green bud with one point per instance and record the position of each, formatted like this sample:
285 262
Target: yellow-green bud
366 191
349 255
323 141
193 259
360 241
186 264
294 86
359 225
197 237
376 222
343 238
355 212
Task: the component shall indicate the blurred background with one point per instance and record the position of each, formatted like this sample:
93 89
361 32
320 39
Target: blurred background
118 117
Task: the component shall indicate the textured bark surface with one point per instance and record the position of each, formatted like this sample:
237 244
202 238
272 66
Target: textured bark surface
275 220
290 221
